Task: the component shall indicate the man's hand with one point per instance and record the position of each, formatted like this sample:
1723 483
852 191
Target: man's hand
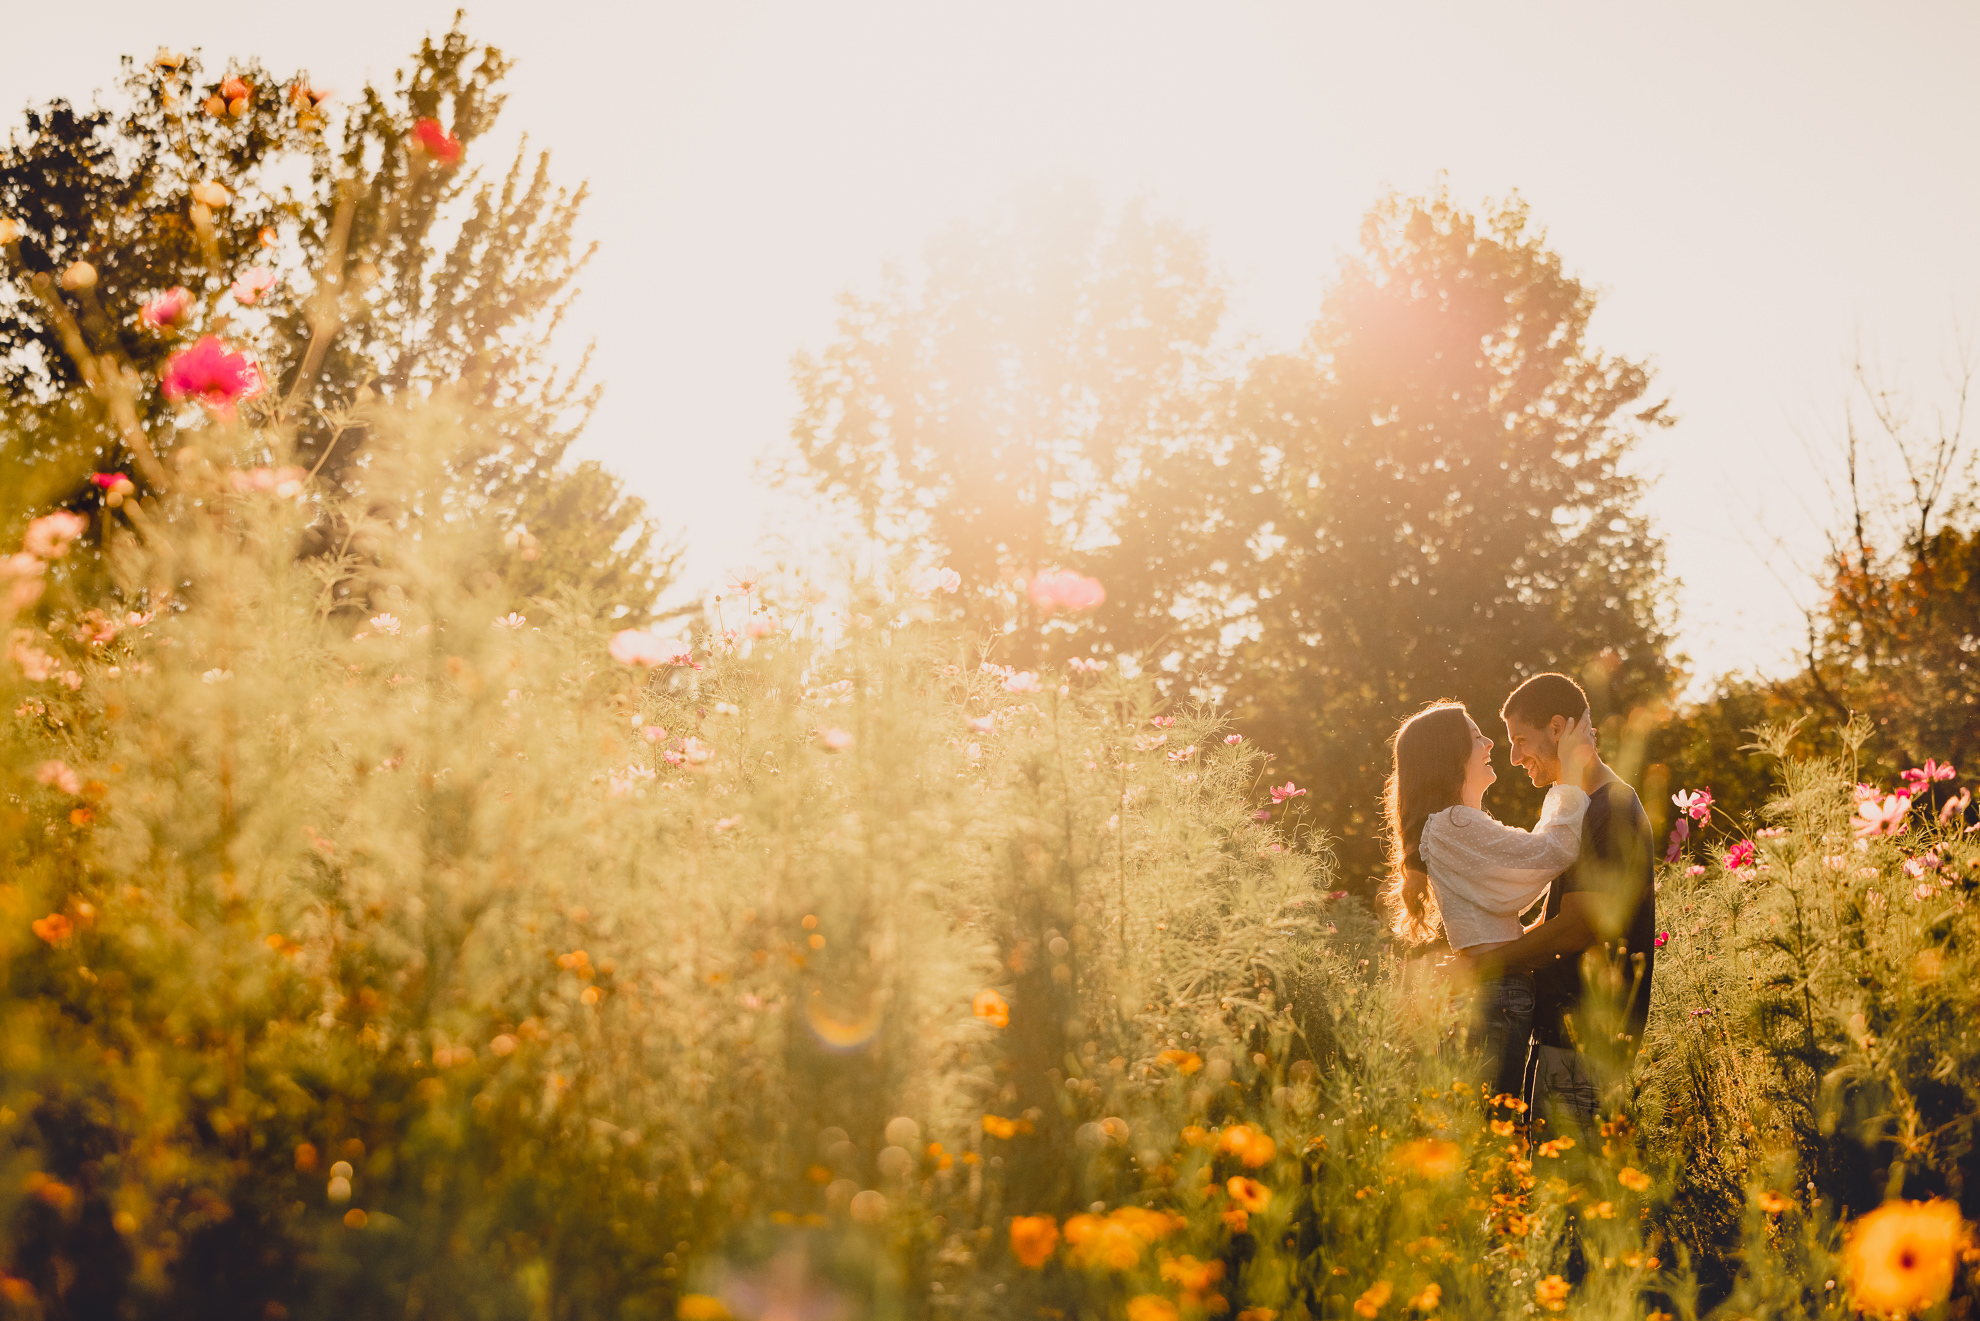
1577 750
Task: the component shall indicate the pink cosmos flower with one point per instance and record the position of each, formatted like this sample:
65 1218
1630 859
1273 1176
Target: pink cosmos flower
1282 792
285 481
168 310
1740 856
981 724
1068 591
1182 754
634 646
1023 681
653 734
1875 817
1864 791
834 738
1922 892
212 374
1679 833
1914 868
1232 740
761 626
48 537
1956 807
252 284
1694 871
1663 939
59 775
1920 778
928 581
36 664
1162 722
696 751
1697 806
746 580
436 142
114 482
1262 814
512 620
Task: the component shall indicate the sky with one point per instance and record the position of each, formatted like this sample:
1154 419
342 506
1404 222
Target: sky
1766 193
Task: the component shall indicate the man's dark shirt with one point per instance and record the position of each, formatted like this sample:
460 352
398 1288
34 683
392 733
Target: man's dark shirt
1617 869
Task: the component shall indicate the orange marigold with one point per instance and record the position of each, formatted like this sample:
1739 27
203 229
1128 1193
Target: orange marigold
1034 1239
1249 1193
992 1008
1195 1278
1429 1158
1552 1293
1248 1144
1151 1307
1185 1061
1373 1298
1900 1257
1633 1179
54 928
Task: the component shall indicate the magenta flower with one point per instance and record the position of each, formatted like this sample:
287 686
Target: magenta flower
168 310
1885 816
1262 814
1052 592
212 374
1679 834
1281 792
1162 722
437 142
1740 856
1663 939
1920 778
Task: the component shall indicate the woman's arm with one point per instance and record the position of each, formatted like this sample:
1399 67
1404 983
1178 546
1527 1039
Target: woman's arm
1502 868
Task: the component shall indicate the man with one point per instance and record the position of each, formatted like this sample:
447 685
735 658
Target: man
1605 902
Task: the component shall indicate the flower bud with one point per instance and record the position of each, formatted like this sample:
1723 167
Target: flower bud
10 230
213 105
79 276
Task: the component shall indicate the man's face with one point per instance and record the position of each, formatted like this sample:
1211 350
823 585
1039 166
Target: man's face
1536 749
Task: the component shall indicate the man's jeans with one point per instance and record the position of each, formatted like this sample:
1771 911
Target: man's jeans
1502 1023
1560 1092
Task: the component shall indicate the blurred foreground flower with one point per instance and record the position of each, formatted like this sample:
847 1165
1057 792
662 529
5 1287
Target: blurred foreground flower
927 582
437 142
79 276
252 284
1052 592
212 374
48 537
1034 1239
54 928
1900 1257
992 1008
167 310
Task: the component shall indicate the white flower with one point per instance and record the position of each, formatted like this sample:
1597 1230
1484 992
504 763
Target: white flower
387 623
216 676
510 620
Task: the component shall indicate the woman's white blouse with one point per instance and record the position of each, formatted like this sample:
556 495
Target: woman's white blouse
1485 873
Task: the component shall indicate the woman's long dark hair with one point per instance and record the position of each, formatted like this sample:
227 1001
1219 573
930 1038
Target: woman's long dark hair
1431 750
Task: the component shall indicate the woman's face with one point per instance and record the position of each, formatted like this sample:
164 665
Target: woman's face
1478 772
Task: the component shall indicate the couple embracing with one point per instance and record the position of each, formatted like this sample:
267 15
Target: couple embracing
1459 872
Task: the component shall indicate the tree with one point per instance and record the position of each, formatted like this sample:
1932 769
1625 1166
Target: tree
1428 500
991 414
370 302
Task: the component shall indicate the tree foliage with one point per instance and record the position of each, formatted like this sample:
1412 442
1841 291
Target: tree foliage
1428 499
400 273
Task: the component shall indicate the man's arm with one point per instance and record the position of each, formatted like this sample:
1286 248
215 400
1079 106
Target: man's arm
1569 931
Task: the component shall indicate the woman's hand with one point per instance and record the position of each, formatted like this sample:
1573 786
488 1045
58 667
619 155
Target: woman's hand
1577 750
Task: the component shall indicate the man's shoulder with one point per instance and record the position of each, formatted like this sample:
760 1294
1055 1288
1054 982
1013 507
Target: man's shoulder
1614 799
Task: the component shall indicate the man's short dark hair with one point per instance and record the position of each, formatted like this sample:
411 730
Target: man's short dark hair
1544 696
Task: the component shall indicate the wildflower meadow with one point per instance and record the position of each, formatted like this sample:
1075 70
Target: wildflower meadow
387 931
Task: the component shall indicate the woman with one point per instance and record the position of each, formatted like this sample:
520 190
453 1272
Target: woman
1452 866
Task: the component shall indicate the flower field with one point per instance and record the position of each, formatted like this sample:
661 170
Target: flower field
388 929
452 959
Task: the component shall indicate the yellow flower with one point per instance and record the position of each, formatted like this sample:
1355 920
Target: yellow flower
1552 1293
1151 1307
1249 1193
1900 1257
1633 1179
700 1307
999 1127
1034 1239
992 1008
1427 1300
1186 1061
1372 1298
1429 1158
